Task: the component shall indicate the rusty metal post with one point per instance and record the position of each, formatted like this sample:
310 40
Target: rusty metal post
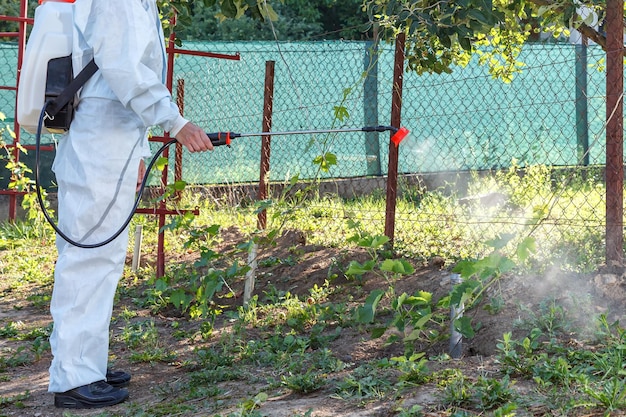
178 161
614 132
396 120
169 82
268 103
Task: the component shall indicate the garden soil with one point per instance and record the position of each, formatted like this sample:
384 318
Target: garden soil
584 296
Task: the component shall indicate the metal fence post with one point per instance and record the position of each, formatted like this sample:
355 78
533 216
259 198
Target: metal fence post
396 120
582 122
370 106
614 132
178 156
268 103
456 312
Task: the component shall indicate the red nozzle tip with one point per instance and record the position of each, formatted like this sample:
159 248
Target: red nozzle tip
400 135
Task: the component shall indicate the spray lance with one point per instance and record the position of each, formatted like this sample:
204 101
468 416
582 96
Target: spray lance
217 139
224 138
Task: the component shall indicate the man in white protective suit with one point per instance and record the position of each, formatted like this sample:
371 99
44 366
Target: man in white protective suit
96 167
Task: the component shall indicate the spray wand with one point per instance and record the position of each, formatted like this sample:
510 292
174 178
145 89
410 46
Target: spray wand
224 138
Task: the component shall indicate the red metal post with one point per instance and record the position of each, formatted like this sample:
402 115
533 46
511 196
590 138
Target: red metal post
169 82
178 161
21 39
268 103
396 120
614 132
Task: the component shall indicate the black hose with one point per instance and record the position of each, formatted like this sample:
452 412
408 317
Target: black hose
49 218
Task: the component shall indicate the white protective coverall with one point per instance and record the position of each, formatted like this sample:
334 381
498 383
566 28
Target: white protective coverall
96 169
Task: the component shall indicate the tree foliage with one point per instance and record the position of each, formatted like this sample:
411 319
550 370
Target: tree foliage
226 9
233 20
281 20
441 33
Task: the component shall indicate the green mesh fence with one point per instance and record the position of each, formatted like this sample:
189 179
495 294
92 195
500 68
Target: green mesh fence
460 121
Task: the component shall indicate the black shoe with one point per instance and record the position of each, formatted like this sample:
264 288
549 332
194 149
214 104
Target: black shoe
96 394
117 379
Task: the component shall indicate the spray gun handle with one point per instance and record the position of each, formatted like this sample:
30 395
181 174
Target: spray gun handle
221 138
380 128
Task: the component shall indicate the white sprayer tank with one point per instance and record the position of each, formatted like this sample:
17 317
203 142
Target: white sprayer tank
51 37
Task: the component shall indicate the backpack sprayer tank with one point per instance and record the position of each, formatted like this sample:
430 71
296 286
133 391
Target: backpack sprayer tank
47 66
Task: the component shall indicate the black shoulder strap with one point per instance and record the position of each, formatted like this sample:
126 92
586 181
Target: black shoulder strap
68 93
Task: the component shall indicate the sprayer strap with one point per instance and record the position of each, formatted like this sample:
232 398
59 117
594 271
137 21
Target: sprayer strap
68 93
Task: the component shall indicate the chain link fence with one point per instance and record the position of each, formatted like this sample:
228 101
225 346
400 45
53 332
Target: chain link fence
484 158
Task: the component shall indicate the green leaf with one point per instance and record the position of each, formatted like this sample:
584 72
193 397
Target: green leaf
416 334
373 242
341 113
419 324
464 326
477 15
445 40
461 291
507 265
267 12
527 247
212 284
397 266
501 241
398 302
326 161
355 268
260 398
377 332
419 298
418 327
263 205
160 285
425 296
366 313
229 9
179 185
161 163
466 44
465 268
180 299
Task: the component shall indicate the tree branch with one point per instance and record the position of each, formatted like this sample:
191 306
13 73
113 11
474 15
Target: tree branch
593 34
584 29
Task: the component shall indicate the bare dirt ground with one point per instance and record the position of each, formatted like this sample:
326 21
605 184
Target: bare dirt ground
158 382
